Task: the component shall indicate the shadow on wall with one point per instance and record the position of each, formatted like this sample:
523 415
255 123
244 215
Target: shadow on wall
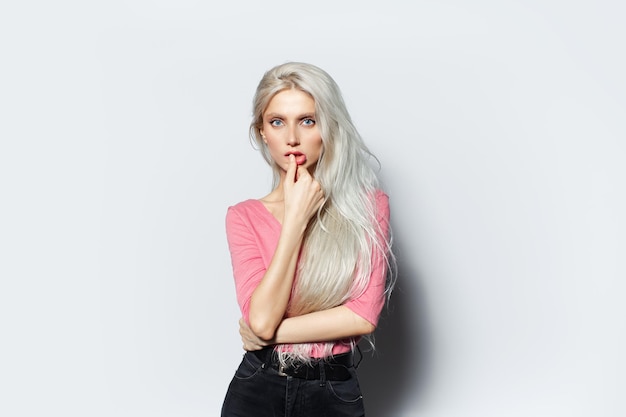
397 370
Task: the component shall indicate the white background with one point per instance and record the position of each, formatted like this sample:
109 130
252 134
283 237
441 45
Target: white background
500 130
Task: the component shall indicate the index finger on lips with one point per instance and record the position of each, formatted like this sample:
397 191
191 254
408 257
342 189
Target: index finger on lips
292 168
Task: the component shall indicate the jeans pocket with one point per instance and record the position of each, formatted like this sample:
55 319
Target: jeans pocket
348 392
250 366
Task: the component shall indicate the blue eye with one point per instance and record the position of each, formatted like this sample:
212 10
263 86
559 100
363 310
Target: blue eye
308 122
276 122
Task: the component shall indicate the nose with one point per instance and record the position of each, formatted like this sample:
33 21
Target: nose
292 138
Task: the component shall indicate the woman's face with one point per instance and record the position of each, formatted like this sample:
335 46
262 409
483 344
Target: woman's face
289 127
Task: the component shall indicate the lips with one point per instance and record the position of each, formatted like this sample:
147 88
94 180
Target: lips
300 157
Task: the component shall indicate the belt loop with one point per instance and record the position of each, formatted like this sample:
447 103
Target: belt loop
322 366
267 361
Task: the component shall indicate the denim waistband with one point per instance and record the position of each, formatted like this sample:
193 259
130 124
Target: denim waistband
335 368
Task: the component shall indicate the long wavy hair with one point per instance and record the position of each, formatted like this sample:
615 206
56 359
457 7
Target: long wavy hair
345 236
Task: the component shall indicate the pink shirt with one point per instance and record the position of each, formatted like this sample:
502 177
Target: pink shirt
253 232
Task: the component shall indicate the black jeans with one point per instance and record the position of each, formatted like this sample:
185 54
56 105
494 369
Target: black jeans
258 390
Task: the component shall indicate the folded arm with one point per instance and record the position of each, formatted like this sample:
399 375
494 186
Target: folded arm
322 326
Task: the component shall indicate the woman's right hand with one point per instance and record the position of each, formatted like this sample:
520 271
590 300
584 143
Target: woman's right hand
303 194
249 340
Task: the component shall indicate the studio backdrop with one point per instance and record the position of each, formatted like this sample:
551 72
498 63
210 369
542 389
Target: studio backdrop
499 128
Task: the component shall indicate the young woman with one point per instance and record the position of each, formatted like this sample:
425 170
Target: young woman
310 259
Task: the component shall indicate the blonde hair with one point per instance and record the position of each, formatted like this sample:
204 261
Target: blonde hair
341 242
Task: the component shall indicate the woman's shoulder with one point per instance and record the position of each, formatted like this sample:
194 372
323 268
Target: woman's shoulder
380 197
245 207
241 215
380 193
245 204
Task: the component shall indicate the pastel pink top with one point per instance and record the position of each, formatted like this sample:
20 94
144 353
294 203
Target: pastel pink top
253 232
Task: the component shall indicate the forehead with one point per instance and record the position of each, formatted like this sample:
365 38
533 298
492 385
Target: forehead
290 102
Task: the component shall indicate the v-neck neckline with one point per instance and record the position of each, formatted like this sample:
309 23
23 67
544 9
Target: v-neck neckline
269 213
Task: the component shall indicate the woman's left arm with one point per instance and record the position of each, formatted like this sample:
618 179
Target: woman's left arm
333 324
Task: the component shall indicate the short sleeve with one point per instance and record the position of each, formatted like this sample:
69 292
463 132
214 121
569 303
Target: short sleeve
370 304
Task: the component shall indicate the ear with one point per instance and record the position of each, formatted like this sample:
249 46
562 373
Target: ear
263 136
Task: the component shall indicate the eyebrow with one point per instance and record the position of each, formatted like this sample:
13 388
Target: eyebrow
280 116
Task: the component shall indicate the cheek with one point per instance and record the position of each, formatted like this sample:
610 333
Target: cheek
274 150
320 145
270 142
315 140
